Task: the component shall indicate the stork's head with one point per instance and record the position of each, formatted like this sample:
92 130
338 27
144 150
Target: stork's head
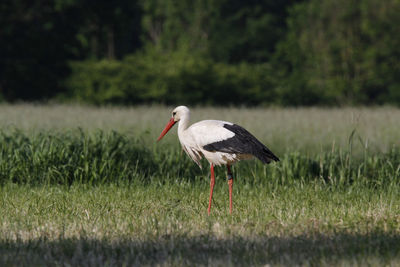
180 112
177 114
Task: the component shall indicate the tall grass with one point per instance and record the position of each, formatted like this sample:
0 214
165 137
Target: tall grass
105 157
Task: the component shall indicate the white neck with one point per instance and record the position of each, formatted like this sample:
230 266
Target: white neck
183 123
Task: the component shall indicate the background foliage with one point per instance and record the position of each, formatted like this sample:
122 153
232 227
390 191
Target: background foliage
266 52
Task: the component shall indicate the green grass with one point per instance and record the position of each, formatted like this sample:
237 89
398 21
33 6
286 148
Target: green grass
88 186
309 224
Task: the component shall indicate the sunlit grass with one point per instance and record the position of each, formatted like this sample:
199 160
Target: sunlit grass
308 223
309 130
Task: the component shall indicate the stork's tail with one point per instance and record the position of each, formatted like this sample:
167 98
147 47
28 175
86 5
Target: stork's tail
266 155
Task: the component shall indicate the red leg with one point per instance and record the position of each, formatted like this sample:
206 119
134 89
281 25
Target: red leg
230 183
212 182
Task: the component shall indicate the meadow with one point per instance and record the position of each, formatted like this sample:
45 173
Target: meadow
90 186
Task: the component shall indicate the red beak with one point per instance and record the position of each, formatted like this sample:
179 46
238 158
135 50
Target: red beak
167 128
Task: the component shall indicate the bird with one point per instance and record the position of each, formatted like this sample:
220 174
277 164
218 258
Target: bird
220 142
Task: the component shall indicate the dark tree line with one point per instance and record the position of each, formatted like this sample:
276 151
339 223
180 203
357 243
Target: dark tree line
39 38
287 52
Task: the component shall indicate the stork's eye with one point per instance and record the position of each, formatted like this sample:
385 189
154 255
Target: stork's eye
173 114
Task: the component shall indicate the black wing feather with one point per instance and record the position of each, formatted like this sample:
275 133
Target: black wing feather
243 142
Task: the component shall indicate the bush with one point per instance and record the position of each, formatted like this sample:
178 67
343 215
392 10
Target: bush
169 78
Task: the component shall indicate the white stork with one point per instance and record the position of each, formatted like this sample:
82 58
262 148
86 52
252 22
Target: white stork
220 142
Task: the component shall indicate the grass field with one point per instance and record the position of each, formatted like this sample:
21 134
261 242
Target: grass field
89 186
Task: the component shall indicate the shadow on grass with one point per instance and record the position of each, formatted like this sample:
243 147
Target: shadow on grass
374 248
